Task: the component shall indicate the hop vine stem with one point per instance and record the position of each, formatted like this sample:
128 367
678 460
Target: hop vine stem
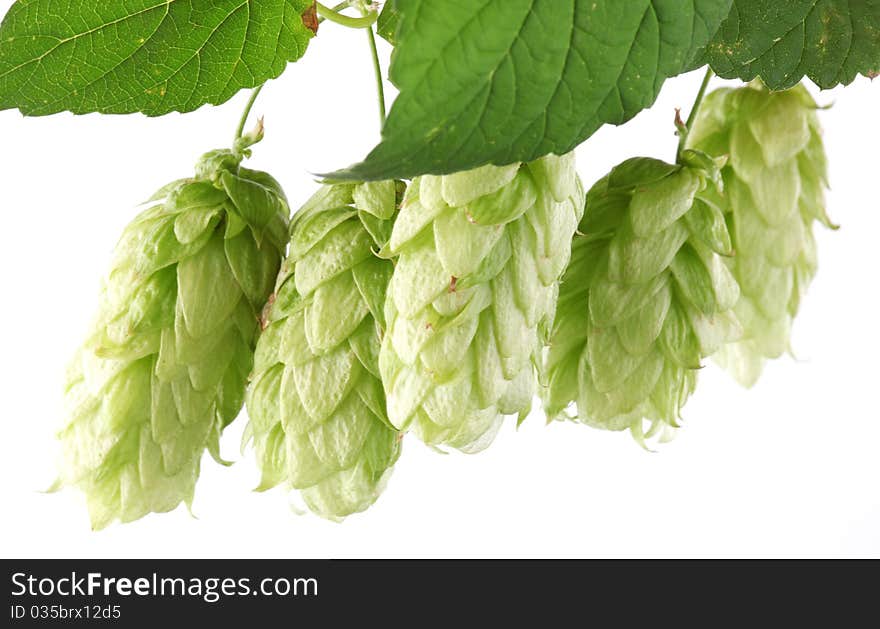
333 14
367 21
339 7
684 130
247 111
377 69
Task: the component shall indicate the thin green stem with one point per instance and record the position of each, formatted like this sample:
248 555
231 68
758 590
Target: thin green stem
247 112
339 7
685 128
345 20
377 69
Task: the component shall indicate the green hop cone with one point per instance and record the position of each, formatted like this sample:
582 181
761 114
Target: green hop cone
316 403
774 193
166 367
646 297
479 256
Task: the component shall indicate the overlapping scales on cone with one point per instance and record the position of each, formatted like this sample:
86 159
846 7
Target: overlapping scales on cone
646 297
479 255
774 181
316 403
166 367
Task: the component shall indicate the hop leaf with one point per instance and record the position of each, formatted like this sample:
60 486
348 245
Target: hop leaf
646 297
775 180
166 367
474 288
316 403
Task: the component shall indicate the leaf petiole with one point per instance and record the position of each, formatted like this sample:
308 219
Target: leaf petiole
377 68
345 20
684 129
247 111
339 7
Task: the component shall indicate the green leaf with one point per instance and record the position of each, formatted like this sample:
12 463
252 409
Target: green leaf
152 56
500 81
829 41
386 25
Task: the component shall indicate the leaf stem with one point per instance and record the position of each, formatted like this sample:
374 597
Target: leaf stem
685 128
247 112
377 69
345 20
339 7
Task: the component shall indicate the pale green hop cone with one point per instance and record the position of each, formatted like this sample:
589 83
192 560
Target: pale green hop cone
646 298
774 194
316 403
479 256
166 367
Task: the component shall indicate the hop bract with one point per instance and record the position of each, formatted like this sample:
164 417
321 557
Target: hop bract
316 404
774 193
646 297
478 258
166 367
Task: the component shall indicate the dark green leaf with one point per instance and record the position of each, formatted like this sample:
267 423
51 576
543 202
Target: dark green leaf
386 25
829 41
499 81
153 56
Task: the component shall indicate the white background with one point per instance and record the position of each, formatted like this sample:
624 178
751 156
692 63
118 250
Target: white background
789 468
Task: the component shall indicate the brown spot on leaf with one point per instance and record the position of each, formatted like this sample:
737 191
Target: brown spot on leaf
452 284
310 18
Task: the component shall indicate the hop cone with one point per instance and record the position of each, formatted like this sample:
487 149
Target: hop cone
316 402
166 367
474 291
645 298
774 182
